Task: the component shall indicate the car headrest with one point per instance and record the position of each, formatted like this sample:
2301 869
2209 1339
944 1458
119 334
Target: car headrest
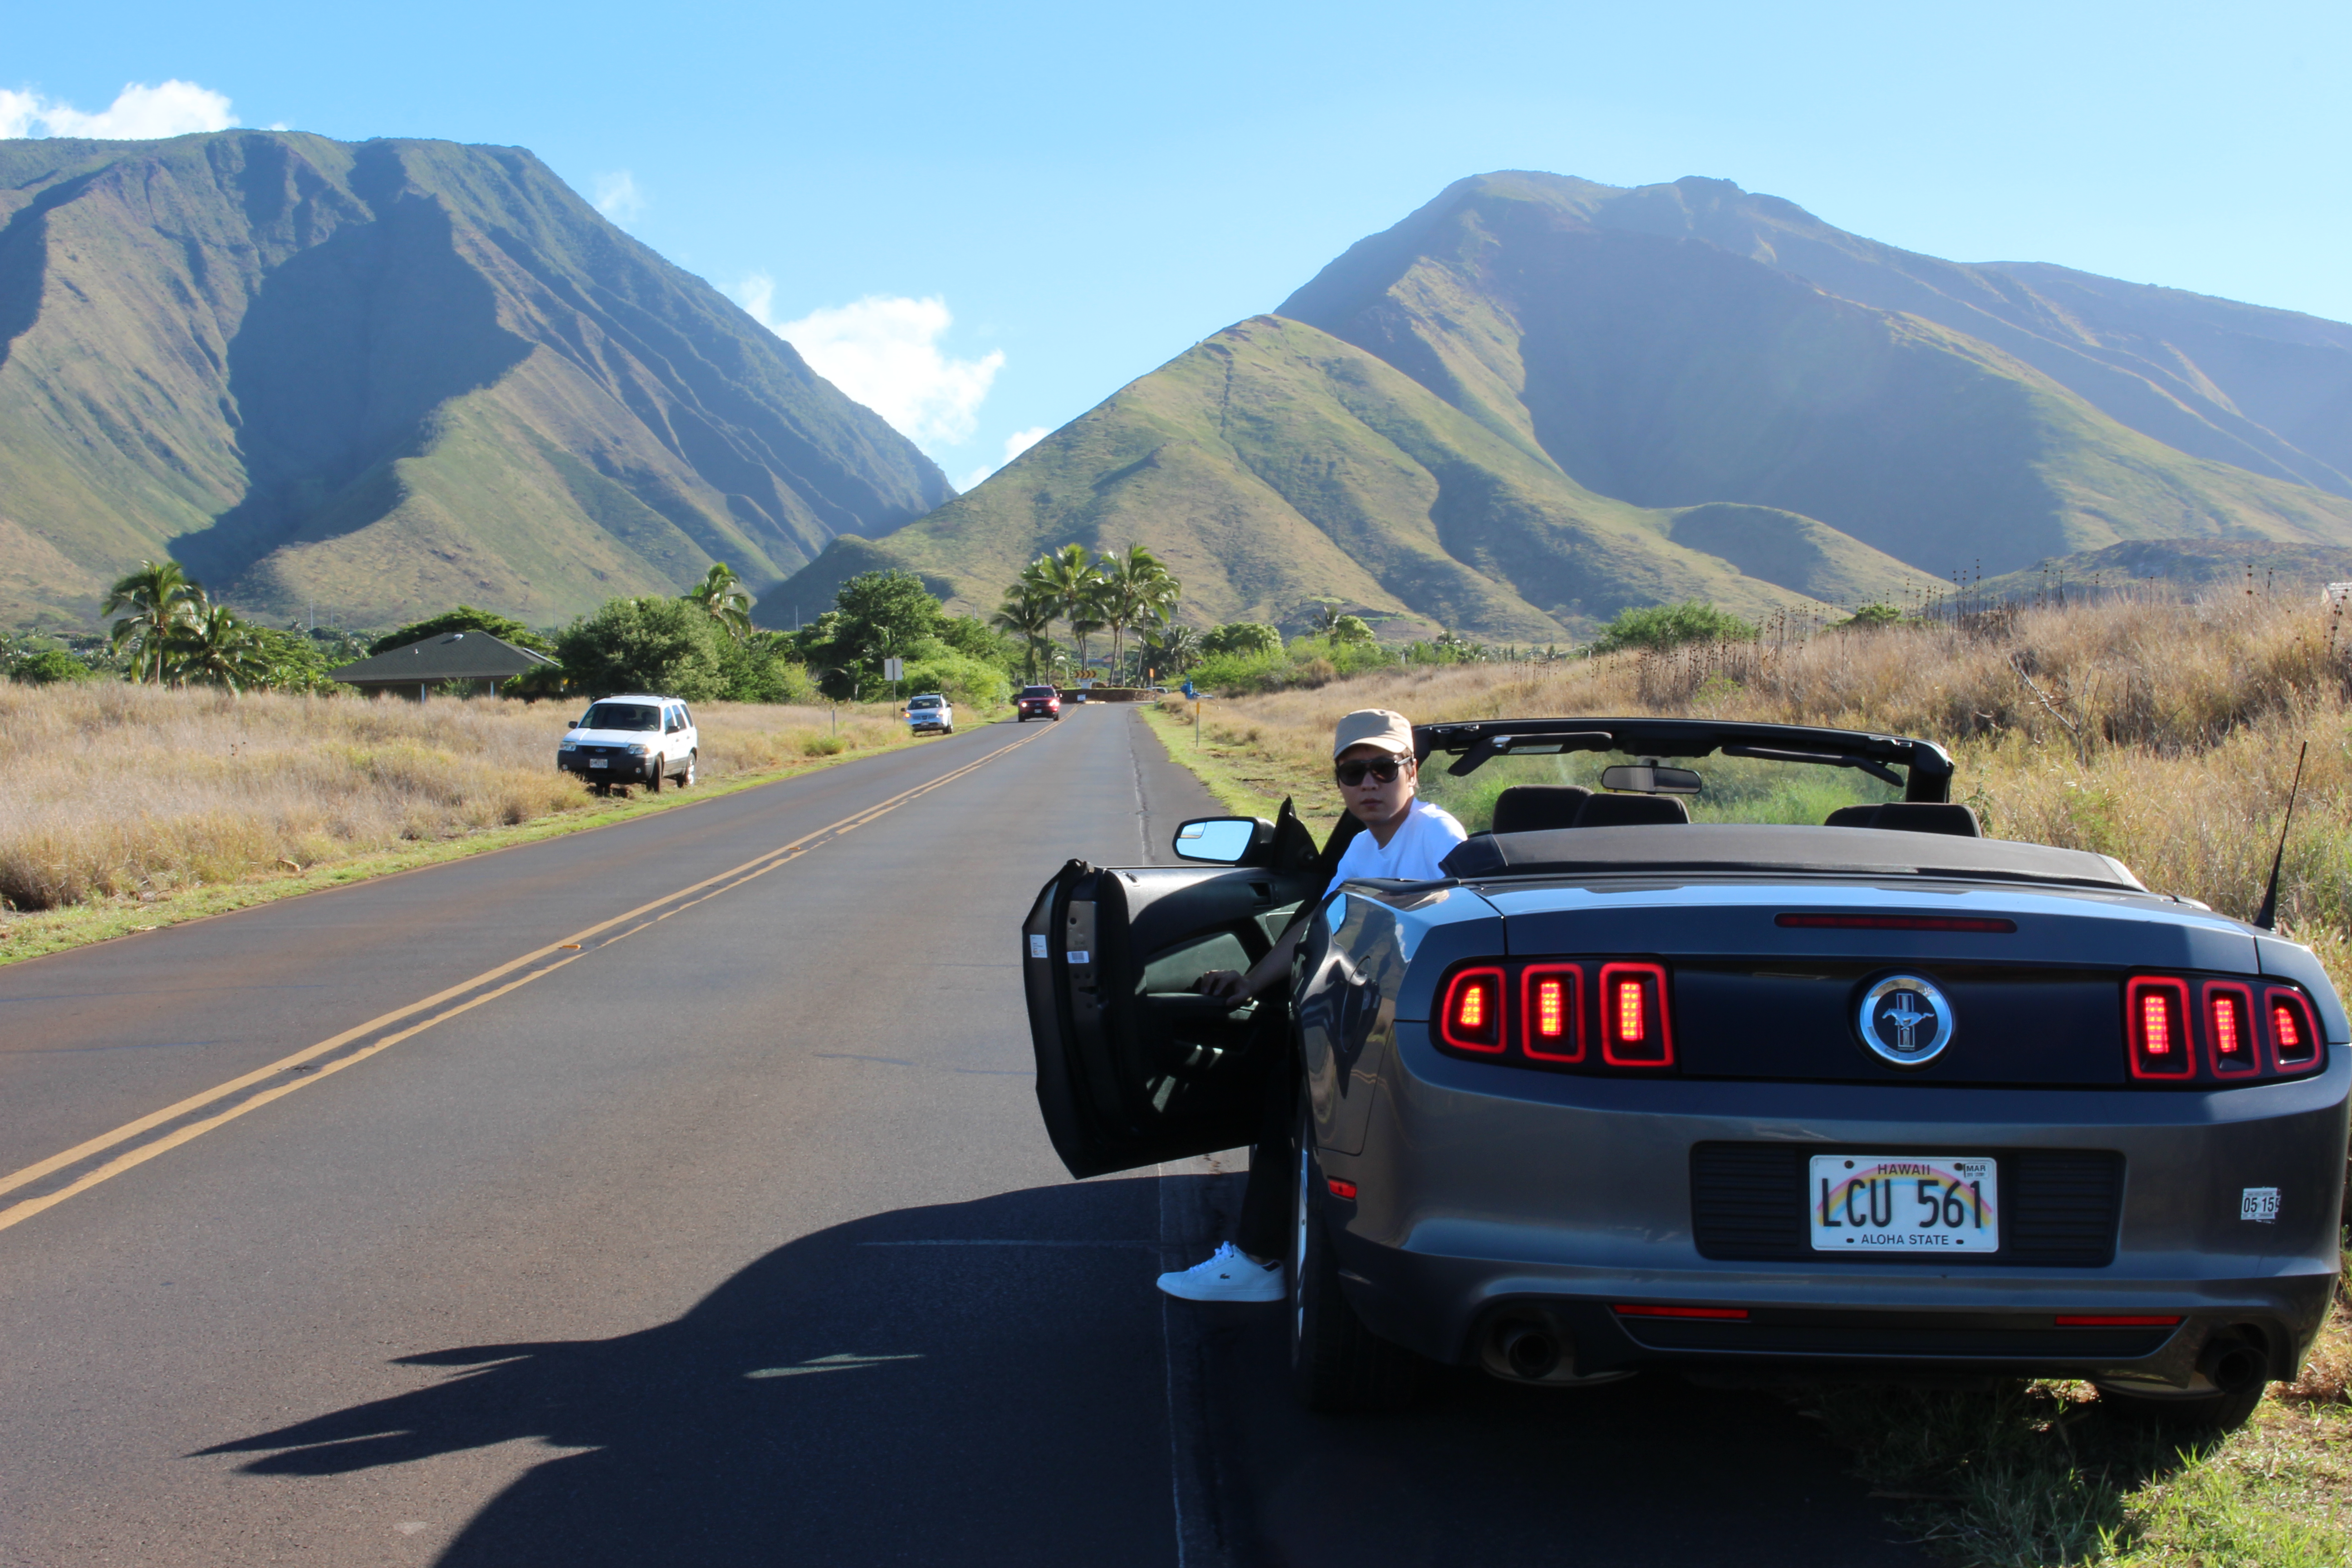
1909 816
1531 809
1631 811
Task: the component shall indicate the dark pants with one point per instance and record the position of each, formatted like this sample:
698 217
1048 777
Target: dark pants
1263 1229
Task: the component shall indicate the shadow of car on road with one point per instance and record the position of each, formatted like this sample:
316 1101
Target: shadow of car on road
986 1382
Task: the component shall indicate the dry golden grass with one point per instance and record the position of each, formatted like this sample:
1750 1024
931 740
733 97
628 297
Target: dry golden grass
124 791
2164 734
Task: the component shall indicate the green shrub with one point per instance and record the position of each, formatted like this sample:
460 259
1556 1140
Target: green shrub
823 746
1657 626
663 646
1308 662
760 668
49 666
963 680
1247 638
1870 618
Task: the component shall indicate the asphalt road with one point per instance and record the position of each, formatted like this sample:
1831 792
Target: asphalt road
727 1236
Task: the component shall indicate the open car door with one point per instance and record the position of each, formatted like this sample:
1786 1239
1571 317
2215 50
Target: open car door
1133 1066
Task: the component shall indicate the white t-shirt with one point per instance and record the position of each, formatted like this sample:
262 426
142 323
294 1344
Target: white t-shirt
1412 852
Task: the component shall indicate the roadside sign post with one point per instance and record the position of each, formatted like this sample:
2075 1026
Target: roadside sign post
894 670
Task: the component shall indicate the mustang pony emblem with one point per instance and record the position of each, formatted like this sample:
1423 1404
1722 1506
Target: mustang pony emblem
1905 1021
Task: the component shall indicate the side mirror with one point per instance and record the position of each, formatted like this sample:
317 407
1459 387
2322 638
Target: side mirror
1648 778
1222 840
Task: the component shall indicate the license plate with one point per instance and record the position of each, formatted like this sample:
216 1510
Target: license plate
1904 1202
598 762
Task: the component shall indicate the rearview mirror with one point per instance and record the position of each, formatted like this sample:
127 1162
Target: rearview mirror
1648 778
1221 840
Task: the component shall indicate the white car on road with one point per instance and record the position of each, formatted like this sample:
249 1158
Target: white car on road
931 711
632 739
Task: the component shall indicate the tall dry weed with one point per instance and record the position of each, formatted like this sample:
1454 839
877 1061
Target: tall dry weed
2162 734
122 790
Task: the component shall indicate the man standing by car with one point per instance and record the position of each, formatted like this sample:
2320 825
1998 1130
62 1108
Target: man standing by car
1403 837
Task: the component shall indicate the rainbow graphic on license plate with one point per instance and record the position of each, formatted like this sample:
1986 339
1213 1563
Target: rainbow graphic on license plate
1908 1204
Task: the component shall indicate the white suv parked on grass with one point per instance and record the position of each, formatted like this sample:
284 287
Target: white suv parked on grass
633 740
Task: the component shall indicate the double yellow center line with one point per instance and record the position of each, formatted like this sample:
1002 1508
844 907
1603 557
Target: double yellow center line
140 1140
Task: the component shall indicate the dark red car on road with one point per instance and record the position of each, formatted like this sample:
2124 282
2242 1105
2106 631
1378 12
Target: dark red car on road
1039 703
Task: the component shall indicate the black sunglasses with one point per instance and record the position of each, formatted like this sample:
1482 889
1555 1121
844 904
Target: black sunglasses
1385 770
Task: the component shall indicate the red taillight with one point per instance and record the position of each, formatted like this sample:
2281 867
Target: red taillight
1340 1189
1727 1315
1472 1017
2294 1042
1551 1012
1635 1031
2230 1028
2114 1320
2156 1014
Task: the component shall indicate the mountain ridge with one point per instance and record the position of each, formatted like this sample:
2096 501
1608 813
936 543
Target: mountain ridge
391 373
1698 415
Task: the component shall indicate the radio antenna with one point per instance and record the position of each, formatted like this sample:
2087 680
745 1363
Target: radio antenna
2267 916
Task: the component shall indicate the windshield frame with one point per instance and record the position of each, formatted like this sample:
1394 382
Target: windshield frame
1927 767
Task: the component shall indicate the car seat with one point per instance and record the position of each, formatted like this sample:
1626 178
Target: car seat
1532 808
1631 811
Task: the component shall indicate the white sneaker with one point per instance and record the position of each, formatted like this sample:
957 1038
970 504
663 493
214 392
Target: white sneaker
1229 1275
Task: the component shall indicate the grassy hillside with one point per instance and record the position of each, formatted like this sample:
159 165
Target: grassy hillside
388 376
1686 363
1273 464
2268 391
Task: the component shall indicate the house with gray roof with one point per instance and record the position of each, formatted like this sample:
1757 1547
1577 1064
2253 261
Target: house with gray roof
454 660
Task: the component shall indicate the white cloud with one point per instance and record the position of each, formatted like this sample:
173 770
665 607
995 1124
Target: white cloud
139 113
617 196
884 351
17 112
1015 444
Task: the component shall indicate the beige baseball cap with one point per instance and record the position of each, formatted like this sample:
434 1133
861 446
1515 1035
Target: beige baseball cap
1373 727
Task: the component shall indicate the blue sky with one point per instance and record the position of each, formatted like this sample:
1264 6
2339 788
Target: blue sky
985 221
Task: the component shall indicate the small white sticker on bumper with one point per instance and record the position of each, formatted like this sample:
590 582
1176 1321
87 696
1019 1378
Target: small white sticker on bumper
2260 1205
1037 944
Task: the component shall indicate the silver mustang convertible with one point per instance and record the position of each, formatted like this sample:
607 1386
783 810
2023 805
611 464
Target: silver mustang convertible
1733 1048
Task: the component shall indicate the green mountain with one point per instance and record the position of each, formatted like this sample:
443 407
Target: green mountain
388 376
1274 464
2268 391
1539 400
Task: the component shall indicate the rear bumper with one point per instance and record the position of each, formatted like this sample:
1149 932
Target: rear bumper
1489 1195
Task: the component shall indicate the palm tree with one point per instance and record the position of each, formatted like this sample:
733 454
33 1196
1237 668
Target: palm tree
1027 615
1087 621
1174 650
1067 579
159 600
1326 618
1137 590
1157 594
723 596
215 647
